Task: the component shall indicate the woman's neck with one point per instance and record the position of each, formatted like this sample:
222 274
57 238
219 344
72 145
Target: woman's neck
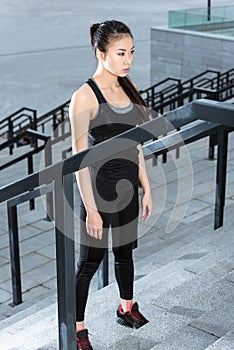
105 79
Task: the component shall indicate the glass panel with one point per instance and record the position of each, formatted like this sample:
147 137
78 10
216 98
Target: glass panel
221 20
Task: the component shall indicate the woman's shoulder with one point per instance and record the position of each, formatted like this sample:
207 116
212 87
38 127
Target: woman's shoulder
82 94
83 98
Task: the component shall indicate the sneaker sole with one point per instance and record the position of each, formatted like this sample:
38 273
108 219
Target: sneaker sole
122 322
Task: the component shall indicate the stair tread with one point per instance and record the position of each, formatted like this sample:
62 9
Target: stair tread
187 338
224 343
218 321
159 291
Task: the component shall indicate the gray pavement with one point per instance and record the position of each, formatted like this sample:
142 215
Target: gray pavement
45 50
49 60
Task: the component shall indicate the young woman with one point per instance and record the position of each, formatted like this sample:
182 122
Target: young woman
105 106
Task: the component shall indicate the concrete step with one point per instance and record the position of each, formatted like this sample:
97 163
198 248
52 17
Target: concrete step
163 322
172 298
207 247
107 294
219 321
33 331
204 299
157 249
224 343
30 298
110 291
187 338
26 309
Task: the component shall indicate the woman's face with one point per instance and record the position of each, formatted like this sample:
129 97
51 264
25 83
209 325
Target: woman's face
119 56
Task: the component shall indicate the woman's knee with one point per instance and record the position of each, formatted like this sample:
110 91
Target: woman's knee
123 252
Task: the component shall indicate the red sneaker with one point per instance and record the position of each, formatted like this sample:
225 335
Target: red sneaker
132 318
83 342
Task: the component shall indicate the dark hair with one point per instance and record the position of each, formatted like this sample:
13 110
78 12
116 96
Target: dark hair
102 34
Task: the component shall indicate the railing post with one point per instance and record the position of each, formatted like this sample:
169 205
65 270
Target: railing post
180 103
49 196
64 230
34 143
208 10
62 121
221 177
212 144
161 102
30 171
213 138
10 134
191 91
179 91
55 124
152 98
14 254
218 81
103 275
34 125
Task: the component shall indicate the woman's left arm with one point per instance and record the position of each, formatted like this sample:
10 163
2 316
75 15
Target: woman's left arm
147 203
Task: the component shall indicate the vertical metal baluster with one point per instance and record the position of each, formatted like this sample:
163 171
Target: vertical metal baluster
49 196
64 229
14 254
30 171
221 173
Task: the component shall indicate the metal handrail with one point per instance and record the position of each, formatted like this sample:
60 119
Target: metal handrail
155 148
174 90
15 113
28 132
140 134
34 136
170 91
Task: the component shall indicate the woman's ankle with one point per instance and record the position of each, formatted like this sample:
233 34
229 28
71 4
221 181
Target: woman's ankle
80 326
126 305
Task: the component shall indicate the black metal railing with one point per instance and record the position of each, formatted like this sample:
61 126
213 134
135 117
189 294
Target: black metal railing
32 137
171 96
219 87
59 126
60 175
17 122
153 149
162 97
29 137
54 118
166 95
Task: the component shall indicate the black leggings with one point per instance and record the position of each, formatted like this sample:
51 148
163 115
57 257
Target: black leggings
123 223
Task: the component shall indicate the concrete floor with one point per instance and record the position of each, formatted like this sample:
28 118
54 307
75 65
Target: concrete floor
45 51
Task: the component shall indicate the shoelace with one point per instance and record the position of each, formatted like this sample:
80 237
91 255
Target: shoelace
84 343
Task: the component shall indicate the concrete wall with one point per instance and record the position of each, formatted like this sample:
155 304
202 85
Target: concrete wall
183 54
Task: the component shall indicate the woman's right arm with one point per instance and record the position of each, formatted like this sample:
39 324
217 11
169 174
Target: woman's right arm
80 115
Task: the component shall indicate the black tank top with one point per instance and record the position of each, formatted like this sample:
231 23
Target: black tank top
109 122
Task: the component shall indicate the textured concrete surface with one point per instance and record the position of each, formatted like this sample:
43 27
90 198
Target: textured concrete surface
45 50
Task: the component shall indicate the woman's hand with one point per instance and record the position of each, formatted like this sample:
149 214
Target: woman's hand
94 224
147 206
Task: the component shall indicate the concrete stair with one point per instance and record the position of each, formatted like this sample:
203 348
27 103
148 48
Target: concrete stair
226 342
184 287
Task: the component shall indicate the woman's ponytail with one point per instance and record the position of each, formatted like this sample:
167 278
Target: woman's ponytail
93 29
